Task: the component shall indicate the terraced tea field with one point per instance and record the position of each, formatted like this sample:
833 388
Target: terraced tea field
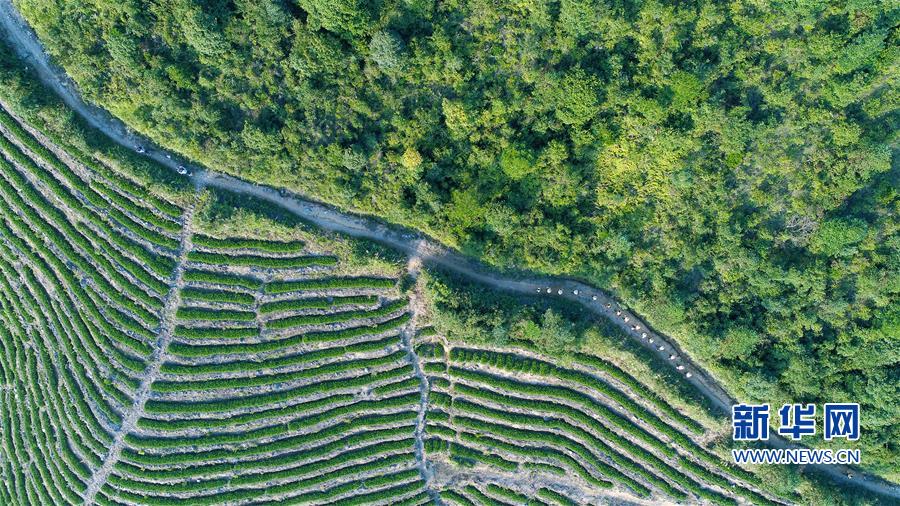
144 362
534 432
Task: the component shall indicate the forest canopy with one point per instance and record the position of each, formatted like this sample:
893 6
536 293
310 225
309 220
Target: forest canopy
729 168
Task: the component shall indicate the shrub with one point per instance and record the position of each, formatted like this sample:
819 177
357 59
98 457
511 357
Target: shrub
198 350
242 243
641 389
328 283
270 379
338 317
155 406
260 261
323 467
555 497
217 296
164 425
201 276
272 363
215 333
291 442
207 314
316 303
279 428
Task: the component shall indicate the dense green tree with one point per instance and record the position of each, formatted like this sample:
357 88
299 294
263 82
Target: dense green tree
727 167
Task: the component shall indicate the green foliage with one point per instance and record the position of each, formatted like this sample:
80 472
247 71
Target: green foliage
260 261
244 243
200 350
131 173
161 265
336 317
81 294
296 471
640 388
456 498
224 205
209 314
218 278
358 409
515 164
555 497
136 456
290 458
155 406
63 235
398 386
512 362
545 453
183 332
251 365
385 50
729 169
511 495
328 283
573 98
738 343
348 18
552 334
316 303
838 237
169 425
270 379
535 433
468 456
203 294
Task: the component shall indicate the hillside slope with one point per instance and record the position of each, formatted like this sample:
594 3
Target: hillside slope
725 168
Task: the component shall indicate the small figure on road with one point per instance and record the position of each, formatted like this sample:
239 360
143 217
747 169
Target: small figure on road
680 368
594 297
688 375
574 292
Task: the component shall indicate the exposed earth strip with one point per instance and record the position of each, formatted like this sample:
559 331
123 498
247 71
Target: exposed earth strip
173 300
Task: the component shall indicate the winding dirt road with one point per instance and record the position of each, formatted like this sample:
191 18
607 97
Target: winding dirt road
27 45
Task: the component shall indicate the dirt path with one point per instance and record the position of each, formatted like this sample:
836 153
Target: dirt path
451 476
167 324
406 335
26 43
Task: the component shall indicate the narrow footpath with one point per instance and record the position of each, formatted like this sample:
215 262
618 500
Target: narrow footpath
407 334
16 30
166 326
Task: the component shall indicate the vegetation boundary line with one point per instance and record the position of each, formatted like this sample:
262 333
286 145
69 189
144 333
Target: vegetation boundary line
407 335
166 329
